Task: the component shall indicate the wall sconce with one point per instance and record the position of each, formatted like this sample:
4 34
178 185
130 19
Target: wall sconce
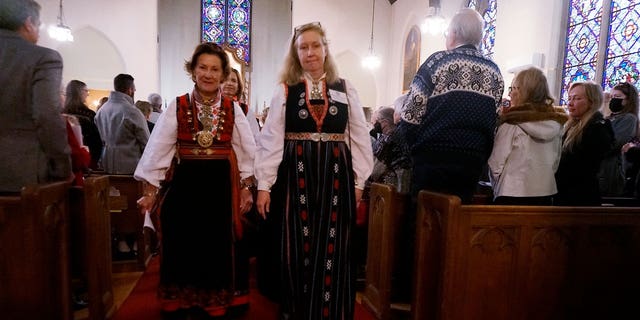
434 23
372 61
61 32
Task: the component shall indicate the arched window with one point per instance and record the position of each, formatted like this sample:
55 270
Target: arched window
488 10
228 23
603 43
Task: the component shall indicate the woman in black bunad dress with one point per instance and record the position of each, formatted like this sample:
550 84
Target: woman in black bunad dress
198 170
312 161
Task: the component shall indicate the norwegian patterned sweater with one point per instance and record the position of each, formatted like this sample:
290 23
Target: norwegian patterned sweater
451 105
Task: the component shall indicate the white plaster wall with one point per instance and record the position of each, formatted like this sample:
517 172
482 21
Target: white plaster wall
270 35
525 28
179 34
128 29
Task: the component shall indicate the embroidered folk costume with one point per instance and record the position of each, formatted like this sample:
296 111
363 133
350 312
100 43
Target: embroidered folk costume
312 201
200 143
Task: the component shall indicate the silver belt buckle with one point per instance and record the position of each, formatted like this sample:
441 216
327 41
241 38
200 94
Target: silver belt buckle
315 136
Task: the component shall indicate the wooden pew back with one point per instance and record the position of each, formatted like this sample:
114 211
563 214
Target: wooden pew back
91 241
34 253
386 212
525 262
126 219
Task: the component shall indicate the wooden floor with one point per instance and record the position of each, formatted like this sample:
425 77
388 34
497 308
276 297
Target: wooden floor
123 284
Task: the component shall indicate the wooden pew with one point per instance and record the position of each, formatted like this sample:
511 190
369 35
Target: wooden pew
91 243
34 253
525 262
386 212
126 218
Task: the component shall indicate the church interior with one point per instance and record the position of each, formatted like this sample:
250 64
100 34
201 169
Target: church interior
151 39
378 46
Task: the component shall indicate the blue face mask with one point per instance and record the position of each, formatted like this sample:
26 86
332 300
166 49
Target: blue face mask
615 105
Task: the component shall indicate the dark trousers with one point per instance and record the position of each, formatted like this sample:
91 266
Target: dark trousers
446 173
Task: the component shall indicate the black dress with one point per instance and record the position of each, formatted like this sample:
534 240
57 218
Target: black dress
203 263
313 207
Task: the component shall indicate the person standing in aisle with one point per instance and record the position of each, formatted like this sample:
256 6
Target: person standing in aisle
312 161
201 139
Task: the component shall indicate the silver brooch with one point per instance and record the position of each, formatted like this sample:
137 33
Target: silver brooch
303 113
333 110
301 102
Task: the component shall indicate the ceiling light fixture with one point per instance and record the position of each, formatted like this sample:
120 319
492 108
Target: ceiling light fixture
434 23
61 32
372 61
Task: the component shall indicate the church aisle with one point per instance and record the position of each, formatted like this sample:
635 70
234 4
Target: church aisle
135 298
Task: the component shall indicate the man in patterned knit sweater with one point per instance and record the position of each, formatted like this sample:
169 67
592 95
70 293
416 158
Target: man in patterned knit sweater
448 123
448 118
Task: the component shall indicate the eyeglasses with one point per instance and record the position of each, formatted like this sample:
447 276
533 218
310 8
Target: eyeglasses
304 27
513 88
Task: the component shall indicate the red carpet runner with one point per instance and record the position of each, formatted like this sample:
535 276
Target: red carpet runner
142 303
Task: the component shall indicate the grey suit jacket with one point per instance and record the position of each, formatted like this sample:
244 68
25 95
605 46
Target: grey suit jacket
33 136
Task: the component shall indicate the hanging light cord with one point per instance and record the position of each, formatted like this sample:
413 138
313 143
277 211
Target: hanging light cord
61 16
373 19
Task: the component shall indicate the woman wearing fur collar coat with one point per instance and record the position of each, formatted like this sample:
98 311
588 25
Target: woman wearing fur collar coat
528 142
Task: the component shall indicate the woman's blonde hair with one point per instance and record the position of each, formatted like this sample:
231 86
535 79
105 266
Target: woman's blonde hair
533 89
292 72
575 126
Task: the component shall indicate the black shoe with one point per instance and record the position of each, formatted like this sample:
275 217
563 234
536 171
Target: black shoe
180 314
79 302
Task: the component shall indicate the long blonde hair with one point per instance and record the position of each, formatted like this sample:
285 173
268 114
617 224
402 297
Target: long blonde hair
575 126
292 72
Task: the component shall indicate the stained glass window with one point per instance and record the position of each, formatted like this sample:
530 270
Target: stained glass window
488 9
228 23
584 35
581 47
623 49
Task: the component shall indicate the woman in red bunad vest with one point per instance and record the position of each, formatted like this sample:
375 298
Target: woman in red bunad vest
197 173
